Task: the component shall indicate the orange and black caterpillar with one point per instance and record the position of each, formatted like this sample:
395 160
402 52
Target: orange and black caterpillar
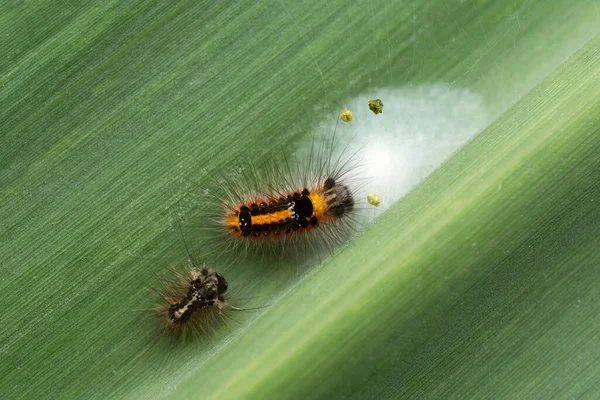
288 205
295 213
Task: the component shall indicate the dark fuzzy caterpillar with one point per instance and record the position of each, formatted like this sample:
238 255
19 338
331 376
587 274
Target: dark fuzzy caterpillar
193 302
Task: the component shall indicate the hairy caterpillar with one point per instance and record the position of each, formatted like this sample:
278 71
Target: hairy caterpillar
193 301
291 205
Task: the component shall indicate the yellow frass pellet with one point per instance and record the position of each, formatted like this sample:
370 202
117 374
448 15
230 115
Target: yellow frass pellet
374 199
346 116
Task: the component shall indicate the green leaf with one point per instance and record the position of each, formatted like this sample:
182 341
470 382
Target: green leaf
481 282
483 287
